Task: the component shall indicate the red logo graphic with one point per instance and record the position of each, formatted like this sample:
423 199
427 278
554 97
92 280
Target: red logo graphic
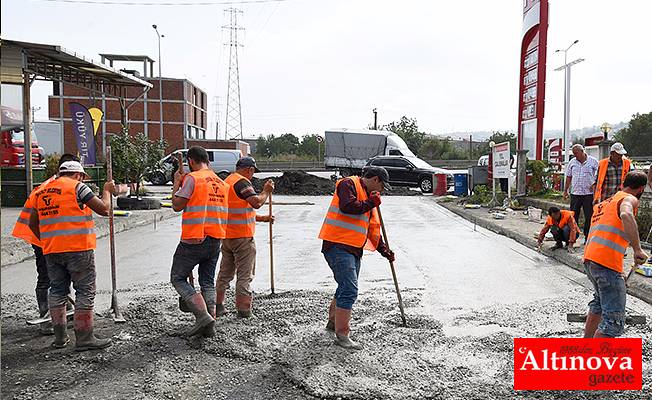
578 364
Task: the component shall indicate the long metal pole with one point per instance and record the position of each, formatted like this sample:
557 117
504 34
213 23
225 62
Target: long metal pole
27 131
160 89
117 314
271 247
391 265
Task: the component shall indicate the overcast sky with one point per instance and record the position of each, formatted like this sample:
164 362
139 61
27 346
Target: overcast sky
309 65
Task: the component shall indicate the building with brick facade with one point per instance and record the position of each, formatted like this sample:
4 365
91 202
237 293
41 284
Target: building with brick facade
184 111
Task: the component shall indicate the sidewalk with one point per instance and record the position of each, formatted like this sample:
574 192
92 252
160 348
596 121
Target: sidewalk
16 250
517 226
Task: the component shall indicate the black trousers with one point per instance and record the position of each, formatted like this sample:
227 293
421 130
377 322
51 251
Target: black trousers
42 281
579 202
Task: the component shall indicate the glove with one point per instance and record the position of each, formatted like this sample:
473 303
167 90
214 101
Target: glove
375 198
389 255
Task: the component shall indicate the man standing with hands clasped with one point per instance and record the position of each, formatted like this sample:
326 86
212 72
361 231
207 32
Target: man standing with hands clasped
580 179
352 225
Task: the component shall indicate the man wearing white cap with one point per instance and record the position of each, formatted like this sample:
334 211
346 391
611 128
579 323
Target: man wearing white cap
611 173
63 222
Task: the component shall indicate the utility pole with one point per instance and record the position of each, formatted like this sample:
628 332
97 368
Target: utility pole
470 147
375 119
233 125
160 85
216 115
567 76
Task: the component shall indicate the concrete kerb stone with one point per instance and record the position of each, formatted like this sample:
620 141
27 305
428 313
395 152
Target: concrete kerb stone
637 286
16 250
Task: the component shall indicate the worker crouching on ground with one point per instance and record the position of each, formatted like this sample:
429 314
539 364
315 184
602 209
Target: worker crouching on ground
239 248
351 225
202 196
63 222
613 229
563 227
22 231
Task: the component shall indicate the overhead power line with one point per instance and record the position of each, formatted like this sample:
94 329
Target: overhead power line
163 3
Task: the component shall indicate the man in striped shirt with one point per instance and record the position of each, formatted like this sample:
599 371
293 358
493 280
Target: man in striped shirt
580 179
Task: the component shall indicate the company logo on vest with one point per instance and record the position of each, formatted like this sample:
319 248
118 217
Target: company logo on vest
577 364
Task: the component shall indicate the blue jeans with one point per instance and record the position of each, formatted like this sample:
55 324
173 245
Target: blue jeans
560 235
185 258
609 298
346 268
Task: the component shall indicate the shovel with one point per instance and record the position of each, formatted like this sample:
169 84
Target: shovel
391 265
115 309
629 319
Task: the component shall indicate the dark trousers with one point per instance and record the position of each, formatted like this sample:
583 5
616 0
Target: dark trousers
561 235
578 202
77 267
204 254
42 281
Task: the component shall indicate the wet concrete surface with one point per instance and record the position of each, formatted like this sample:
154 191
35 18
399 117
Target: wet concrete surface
467 294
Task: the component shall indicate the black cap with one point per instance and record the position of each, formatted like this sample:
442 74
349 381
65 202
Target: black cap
380 172
247 162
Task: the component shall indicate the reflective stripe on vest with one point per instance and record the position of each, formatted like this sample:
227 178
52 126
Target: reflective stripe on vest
21 229
358 230
64 226
607 240
241 221
602 174
206 211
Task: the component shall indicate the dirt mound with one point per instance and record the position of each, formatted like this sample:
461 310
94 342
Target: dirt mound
300 183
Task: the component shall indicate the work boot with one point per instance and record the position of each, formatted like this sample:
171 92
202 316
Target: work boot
203 319
342 330
59 323
330 326
209 331
243 305
556 246
86 339
183 306
220 310
45 328
591 325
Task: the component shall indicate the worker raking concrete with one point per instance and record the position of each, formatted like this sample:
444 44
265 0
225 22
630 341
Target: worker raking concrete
239 248
613 229
351 225
202 196
63 222
22 231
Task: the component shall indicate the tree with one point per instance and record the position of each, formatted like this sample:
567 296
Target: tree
637 135
434 148
133 156
408 130
310 146
499 137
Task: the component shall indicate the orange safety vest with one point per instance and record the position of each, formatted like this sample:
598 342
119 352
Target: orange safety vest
206 211
241 222
607 240
355 230
602 174
64 226
566 216
21 229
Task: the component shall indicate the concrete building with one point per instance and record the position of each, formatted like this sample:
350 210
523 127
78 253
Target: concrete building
184 108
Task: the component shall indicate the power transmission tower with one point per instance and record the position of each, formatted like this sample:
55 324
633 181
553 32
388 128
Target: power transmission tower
233 125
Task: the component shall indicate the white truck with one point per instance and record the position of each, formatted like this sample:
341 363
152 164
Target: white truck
348 150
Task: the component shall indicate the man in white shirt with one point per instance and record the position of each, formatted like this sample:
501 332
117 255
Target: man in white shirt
581 172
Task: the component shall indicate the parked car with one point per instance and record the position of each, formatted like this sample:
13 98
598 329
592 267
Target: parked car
410 171
221 161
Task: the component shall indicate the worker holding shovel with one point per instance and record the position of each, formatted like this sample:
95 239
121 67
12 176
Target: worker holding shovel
613 229
351 225
63 222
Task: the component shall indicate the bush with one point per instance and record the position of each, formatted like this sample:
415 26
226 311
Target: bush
482 195
133 156
644 219
51 164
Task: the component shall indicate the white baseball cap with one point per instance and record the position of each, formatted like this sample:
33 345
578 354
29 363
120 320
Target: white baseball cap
73 166
618 148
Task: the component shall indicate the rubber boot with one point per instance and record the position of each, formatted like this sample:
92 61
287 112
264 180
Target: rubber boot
330 326
86 339
183 306
220 310
209 331
42 300
592 322
243 305
59 323
342 330
203 319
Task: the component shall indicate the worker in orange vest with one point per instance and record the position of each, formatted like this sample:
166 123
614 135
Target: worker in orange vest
563 227
22 231
351 225
63 222
611 173
202 196
613 229
239 249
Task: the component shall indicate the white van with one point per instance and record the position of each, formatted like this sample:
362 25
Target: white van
222 161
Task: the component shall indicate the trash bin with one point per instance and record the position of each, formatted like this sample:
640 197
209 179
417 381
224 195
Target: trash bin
461 185
439 187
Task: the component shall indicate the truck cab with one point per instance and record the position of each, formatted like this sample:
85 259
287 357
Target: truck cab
12 148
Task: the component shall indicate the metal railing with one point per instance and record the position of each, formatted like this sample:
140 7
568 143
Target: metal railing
292 165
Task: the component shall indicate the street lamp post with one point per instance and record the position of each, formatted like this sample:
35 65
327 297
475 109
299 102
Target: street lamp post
567 72
605 128
160 84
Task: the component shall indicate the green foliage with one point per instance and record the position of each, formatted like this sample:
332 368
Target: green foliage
482 195
408 130
51 164
644 220
133 156
272 147
540 171
434 148
637 136
499 137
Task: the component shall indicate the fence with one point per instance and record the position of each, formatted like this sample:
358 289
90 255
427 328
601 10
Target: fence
271 166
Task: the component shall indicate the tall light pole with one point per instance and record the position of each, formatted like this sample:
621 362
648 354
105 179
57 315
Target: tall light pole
567 73
160 84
